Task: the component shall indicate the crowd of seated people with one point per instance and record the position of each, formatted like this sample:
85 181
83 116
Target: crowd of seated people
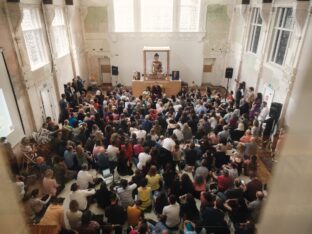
185 156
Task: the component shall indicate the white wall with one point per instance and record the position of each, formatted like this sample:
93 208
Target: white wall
64 72
216 42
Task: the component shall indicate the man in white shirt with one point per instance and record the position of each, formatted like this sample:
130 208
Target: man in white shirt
80 196
112 152
144 157
84 178
140 134
263 113
172 212
168 144
178 133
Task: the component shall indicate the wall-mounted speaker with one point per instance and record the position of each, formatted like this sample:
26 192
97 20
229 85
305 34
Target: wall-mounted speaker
229 72
69 2
47 1
115 71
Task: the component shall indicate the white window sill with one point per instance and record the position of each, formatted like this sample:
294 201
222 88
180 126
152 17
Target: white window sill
38 66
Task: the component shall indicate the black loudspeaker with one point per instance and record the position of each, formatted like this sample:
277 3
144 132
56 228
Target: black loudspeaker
275 110
115 71
47 1
69 2
229 73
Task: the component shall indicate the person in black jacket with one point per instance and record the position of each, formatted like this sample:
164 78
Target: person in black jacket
116 214
103 196
188 210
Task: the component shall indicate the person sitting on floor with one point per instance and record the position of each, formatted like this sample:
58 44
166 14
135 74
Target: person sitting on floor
80 195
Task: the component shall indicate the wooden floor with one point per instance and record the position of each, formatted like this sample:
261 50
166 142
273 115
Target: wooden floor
263 173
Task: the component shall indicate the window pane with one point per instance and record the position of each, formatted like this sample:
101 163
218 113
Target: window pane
32 32
256 39
281 15
189 15
288 18
259 20
30 19
252 38
123 15
58 17
156 16
275 45
32 47
282 47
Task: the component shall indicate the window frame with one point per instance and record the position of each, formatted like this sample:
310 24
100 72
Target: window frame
254 25
37 32
277 35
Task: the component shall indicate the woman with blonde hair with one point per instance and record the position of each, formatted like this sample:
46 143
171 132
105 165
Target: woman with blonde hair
50 186
238 157
187 132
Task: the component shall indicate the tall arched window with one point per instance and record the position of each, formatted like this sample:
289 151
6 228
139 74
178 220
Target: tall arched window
33 36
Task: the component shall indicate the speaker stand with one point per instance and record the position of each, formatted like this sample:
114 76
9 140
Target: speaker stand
227 88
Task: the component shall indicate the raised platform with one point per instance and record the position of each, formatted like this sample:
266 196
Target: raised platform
169 87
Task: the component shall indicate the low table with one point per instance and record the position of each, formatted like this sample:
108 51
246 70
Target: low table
169 87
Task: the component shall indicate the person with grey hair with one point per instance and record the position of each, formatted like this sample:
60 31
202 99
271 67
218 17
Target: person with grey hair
225 134
255 206
84 178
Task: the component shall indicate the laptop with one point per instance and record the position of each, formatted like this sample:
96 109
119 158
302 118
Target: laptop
106 173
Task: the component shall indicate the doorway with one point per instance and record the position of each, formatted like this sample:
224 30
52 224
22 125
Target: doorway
105 70
47 103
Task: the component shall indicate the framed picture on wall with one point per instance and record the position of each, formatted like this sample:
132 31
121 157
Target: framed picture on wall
175 75
268 94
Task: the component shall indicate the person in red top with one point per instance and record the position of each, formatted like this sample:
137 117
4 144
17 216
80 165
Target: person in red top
153 114
247 137
127 148
138 148
230 98
224 181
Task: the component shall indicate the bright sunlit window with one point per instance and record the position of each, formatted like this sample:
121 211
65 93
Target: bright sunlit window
59 33
124 15
282 33
33 36
189 15
255 30
156 16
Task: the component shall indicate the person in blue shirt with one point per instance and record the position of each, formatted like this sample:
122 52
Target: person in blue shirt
70 157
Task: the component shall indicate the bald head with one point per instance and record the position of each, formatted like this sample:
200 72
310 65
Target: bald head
259 195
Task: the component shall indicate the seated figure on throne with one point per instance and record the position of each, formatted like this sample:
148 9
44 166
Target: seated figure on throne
157 65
